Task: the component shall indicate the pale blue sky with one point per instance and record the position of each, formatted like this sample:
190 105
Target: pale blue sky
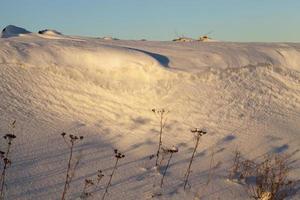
232 20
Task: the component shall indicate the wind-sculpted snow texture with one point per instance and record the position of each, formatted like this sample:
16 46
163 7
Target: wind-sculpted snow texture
246 95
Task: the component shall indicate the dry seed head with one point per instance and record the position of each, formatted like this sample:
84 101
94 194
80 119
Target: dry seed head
100 175
198 132
119 155
159 111
173 150
194 130
6 161
89 182
9 136
170 150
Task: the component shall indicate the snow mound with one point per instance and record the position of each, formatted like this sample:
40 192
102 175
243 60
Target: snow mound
85 62
49 32
109 38
13 31
205 38
105 90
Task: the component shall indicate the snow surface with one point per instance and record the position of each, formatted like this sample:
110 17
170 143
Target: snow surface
49 32
246 95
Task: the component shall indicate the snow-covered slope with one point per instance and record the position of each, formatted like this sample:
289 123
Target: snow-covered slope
247 96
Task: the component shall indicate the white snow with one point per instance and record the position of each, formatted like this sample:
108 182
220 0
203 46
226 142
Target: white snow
246 95
49 32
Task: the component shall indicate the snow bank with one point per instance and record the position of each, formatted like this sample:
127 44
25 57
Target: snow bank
99 64
198 56
105 90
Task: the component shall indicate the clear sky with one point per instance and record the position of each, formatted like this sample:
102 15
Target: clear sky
231 20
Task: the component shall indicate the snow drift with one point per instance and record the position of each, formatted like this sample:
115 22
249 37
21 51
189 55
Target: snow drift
97 63
105 90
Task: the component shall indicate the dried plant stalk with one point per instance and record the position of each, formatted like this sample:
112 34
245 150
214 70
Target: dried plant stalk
5 157
70 171
198 133
118 156
171 152
161 114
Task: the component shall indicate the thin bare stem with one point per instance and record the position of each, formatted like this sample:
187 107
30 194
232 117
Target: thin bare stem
68 171
110 178
198 133
118 155
5 157
188 171
160 139
236 164
161 114
73 170
3 174
91 185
